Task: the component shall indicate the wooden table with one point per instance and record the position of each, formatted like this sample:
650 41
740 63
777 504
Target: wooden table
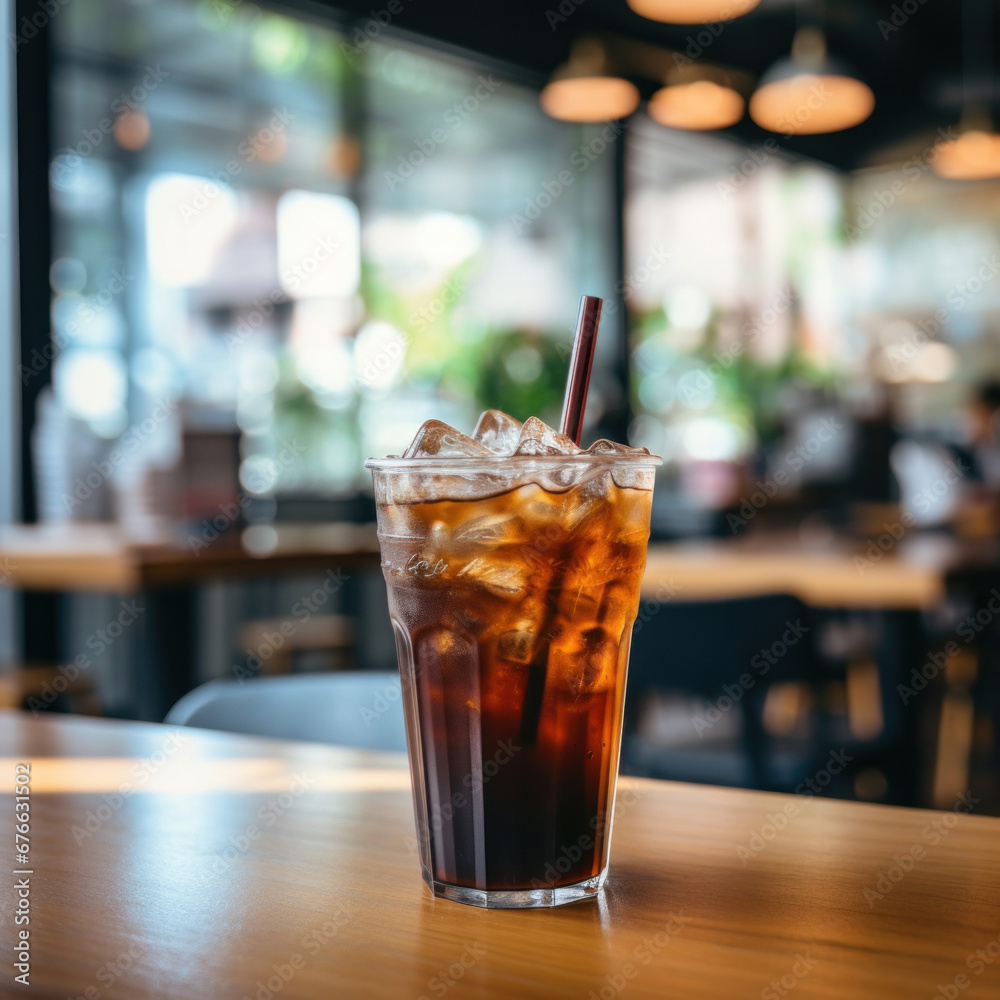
834 575
166 565
106 559
103 558
184 888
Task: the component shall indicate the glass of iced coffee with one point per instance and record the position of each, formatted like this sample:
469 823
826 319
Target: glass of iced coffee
512 560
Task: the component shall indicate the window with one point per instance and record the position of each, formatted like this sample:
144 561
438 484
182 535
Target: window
264 229
737 288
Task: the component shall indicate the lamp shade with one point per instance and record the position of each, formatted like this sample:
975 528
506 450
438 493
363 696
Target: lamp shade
973 156
697 106
809 93
810 102
589 98
692 11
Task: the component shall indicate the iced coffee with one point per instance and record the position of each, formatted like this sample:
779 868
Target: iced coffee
512 560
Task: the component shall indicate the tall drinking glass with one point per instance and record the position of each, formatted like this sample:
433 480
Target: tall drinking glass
513 586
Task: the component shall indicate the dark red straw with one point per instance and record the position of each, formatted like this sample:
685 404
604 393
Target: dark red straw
580 363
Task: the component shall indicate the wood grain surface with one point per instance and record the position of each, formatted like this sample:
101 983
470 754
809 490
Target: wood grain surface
837 576
103 558
179 863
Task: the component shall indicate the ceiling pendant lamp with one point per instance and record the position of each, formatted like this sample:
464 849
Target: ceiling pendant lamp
584 89
692 11
975 154
810 94
697 98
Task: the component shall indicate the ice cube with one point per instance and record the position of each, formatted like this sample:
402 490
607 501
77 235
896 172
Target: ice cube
518 644
488 529
436 439
448 656
537 438
503 577
471 621
624 476
606 447
588 509
578 602
617 607
583 662
498 432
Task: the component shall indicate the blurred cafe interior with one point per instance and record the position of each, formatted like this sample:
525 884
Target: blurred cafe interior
248 245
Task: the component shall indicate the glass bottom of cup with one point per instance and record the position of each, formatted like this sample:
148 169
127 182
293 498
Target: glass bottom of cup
518 899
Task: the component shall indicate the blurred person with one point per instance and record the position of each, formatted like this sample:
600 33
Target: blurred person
955 481
982 456
871 479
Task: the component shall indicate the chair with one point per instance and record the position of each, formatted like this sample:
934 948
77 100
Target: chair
728 654
360 709
45 688
329 635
